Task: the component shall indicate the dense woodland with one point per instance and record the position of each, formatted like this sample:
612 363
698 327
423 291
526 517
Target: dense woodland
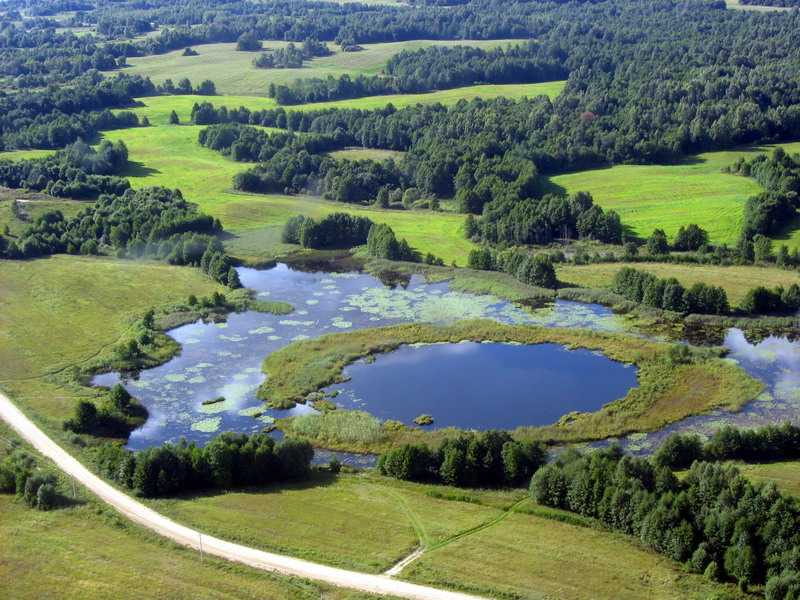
713 520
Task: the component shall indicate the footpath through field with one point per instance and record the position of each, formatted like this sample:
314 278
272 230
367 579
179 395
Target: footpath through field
191 538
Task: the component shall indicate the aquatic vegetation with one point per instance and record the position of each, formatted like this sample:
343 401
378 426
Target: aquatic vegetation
423 420
209 425
667 392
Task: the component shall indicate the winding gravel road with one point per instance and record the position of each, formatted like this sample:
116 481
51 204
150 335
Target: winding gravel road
191 538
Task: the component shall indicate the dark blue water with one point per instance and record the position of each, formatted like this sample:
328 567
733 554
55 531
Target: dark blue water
484 385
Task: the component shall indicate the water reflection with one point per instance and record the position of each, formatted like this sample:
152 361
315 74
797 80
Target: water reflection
224 359
775 361
484 385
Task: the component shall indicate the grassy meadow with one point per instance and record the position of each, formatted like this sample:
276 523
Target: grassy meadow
170 156
94 554
474 539
363 522
736 280
530 558
234 74
785 475
60 312
669 196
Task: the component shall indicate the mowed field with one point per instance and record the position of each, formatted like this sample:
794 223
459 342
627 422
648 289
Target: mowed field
669 196
736 280
532 558
92 554
233 72
368 522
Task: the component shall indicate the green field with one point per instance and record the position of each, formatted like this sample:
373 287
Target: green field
736 280
171 157
533 558
362 522
669 196
233 71
63 311
158 108
366 153
785 475
87 552
22 154
33 205
368 522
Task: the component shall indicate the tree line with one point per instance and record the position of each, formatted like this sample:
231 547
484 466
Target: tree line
771 443
487 459
434 68
712 520
230 460
290 57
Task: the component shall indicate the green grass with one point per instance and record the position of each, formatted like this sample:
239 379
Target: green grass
64 311
527 557
366 153
362 522
233 71
736 280
669 196
23 154
785 475
86 551
666 392
170 156
158 108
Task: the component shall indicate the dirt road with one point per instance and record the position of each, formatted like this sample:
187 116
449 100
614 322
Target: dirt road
191 538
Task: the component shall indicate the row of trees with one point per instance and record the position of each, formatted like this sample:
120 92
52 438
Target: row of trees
336 230
290 57
765 444
488 459
668 294
713 520
529 268
230 460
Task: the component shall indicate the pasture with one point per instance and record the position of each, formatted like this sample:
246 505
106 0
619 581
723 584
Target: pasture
509 546
785 475
170 156
60 312
529 557
669 196
93 554
736 280
233 72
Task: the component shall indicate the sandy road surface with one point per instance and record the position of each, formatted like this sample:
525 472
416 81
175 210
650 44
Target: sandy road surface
191 538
